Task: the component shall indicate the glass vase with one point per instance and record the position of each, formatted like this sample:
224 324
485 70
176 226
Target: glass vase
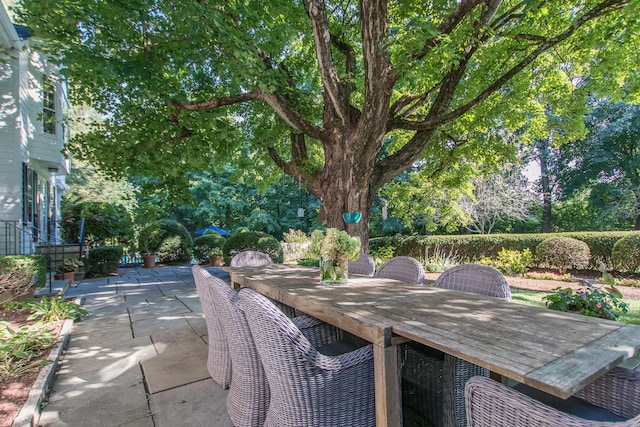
333 271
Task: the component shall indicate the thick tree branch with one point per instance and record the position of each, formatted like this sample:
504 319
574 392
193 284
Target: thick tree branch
330 78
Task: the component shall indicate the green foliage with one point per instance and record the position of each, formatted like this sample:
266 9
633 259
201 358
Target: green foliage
438 260
50 309
334 244
18 349
206 245
104 260
252 241
563 253
295 236
472 248
626 253
590 301
29 266
169 240
71 264
511 262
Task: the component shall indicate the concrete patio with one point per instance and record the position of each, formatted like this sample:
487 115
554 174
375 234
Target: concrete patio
139 357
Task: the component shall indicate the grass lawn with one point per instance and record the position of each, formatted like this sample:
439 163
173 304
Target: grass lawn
535 298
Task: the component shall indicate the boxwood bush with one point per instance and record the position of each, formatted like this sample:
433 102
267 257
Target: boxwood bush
252 241
563 253
205 244
18 273
104 260
626 253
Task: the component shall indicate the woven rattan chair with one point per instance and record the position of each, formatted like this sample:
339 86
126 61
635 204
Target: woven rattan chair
308 388
218 359
402 268
256 259
433 382
364 265
612 400
250 259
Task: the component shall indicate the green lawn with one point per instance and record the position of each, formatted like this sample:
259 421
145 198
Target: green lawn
535 298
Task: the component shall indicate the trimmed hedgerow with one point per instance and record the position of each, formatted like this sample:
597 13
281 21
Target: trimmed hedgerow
563 253
204 245
104 260
472 248
626 253
252 241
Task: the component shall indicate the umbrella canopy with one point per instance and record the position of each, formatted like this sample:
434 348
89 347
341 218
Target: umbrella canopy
214 228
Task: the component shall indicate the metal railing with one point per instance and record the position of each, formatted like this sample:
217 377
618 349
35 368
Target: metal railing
19 239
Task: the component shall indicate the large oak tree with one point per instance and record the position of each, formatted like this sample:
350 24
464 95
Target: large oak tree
342 95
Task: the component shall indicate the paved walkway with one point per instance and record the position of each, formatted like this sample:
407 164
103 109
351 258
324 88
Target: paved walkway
139 357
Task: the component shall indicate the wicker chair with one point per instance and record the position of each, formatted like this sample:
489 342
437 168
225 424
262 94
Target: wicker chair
256 259
612 400
308 388
402 268
433 382
364 265
248 397
218 359
250 259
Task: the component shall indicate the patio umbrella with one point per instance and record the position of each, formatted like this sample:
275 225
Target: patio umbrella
214 228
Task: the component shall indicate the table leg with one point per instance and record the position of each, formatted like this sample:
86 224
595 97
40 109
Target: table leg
387 386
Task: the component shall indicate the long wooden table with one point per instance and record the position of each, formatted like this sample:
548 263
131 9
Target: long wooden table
556 352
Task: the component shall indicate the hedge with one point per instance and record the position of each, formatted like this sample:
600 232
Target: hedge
471 248
104 260
252 241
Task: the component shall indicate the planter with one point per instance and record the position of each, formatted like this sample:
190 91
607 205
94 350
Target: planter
333 271
216 260
148 261
67 275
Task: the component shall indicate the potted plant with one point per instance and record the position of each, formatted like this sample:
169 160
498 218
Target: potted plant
68 269
216 258
335 249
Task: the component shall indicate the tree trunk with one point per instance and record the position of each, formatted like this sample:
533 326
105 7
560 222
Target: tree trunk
543 148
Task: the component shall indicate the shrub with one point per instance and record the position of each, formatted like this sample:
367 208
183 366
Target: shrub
104 260
438 260
563 253
511 262
206 245
626 253
19 273
295 236
171 242
252 241
20 349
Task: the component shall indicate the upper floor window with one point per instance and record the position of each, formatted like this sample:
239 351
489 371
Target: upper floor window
49 107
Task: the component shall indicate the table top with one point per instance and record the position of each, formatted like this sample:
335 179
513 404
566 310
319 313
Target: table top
553 351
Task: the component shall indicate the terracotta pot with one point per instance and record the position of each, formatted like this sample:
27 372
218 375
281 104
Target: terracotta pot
216 260
149 261
67 275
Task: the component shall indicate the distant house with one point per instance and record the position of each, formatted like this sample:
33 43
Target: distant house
33 134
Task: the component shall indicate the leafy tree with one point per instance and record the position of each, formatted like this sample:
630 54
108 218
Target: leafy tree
607 161
317 88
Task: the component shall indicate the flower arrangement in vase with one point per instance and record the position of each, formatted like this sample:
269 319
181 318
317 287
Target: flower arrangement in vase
335 248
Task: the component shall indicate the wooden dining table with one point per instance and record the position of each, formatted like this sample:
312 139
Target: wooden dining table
553 351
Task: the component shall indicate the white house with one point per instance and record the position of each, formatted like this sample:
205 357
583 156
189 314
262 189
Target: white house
33 133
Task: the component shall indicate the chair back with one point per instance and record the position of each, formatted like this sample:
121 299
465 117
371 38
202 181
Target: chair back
250 259
475 278
403 268
248 398
218 359
307 387
364 265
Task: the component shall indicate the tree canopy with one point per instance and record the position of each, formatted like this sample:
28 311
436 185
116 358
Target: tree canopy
343 96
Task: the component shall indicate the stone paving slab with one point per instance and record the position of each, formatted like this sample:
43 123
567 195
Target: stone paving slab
86 403
147 327
202 403
154 310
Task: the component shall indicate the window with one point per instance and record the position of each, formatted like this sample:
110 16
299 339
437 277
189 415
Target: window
48 107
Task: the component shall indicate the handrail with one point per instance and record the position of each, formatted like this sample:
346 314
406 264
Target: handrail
17 238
